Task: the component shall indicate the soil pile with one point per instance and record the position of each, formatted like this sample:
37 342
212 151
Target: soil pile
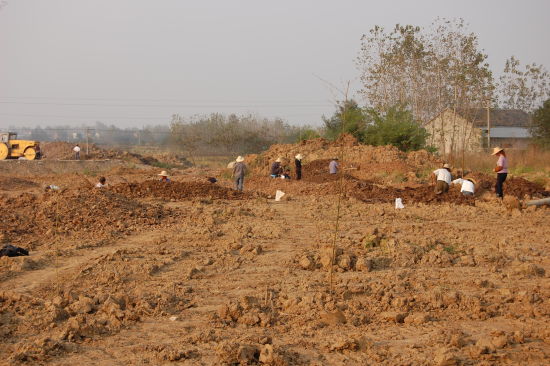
373 193
514 186
64 151
178 190
89 214
365 160
317 172
58 150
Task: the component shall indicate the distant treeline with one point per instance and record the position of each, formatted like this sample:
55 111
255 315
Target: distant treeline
210 135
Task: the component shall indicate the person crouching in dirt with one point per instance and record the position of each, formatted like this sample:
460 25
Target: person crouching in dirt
467 187
286 174
298 164
164 176
501 169
51 188
102 183
276 168
443 178
333 166
239 171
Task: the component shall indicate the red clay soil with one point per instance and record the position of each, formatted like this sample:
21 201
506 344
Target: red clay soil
178 190
514 186
86 214
317 172
14 183
64 151
373 193
367 159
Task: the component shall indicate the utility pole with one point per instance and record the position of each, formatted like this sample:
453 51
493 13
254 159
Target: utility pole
488 127
87 141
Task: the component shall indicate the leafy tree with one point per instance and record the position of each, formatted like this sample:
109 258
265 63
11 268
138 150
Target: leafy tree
427 69
395 127
353 118
307 133
523 89
540 130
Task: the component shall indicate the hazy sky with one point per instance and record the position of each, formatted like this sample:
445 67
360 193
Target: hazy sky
136 62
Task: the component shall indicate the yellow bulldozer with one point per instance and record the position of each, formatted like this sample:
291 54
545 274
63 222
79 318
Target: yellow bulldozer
12 148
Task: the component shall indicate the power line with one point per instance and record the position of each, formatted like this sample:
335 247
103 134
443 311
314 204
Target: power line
79 117
197 102
115 118
173 105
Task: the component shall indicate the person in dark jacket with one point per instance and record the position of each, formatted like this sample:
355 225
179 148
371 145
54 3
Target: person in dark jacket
298 164
276 169
12 251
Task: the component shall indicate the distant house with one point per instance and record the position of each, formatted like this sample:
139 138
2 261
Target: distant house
452 130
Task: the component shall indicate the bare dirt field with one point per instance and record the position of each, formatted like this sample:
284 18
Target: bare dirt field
199 274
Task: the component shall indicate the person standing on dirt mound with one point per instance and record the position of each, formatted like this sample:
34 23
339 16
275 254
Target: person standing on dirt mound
443 178
298 164
239 171
76 150
164 176
276 168
333 166
501 169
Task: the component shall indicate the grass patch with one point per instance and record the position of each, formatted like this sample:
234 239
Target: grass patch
450 249
522 170
89 172
397 177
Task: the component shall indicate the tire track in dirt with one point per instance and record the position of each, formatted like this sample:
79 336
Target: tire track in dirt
265 271
54 272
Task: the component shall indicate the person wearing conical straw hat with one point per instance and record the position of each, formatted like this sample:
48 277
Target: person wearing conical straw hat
467 187
443 179
298 164
164 176
501 169
239 171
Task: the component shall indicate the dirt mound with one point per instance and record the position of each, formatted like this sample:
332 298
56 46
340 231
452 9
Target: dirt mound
64 151
317 172
514 186
373 193
364 161
89 214
178 190
58 150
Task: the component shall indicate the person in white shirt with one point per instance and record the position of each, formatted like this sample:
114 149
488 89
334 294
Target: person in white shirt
443 179
101 183
467 185
76 150
51 187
